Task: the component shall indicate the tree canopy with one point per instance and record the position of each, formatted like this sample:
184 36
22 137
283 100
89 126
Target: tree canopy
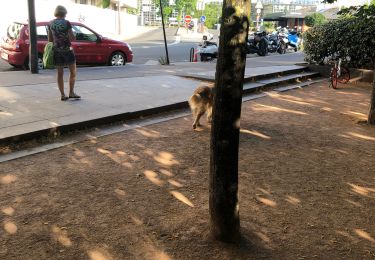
315 19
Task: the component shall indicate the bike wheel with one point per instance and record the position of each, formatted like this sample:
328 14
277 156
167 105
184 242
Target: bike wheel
334 78
345 75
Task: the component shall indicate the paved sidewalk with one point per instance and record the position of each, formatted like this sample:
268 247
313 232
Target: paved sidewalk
30 104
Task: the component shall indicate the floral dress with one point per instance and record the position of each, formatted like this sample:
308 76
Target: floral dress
63 52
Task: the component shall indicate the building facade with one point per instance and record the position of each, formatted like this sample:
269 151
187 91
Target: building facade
124 4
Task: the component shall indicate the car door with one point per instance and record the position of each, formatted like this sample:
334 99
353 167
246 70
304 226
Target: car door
87 45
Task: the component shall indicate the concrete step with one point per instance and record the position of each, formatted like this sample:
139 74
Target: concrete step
251 74
300 85
279 81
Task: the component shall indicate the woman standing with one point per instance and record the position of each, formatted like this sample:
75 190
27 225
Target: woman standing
61 34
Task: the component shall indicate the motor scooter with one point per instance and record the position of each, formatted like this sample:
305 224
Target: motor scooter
208 49
294 40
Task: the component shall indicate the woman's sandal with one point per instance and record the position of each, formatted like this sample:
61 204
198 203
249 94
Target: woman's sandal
64 98
74 95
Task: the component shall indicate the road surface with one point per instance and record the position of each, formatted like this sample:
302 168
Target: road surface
148 48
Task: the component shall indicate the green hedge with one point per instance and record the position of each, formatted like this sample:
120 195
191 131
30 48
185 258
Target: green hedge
349 36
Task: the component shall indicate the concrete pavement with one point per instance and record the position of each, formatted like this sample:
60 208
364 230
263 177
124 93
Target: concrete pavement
30 104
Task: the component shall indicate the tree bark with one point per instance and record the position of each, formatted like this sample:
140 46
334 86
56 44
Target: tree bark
371 114
33 52
223 181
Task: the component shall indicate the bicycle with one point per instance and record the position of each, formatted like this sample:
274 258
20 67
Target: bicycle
339 74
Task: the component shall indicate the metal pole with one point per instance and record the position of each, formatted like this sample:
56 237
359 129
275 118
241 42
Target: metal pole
118 17
33 53
165 38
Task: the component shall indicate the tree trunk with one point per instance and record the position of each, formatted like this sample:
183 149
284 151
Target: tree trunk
371 114
223 201
33 52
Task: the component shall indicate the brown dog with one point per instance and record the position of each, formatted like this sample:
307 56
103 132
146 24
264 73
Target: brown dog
200 102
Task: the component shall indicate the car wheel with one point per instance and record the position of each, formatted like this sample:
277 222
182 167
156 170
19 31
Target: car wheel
117 59
26 65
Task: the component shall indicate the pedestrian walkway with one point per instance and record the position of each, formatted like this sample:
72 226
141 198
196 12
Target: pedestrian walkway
30 105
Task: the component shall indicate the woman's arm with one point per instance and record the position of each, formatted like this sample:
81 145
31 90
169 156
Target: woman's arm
50 35
71 35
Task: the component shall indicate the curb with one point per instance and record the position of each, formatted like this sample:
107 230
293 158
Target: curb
92 123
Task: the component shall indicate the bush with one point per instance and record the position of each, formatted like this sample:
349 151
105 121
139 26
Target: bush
315 19
349 36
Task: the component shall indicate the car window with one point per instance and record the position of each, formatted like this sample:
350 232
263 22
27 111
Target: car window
13 31
83 34
41 33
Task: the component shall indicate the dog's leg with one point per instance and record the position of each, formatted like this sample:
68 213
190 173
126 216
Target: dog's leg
209 115
196 121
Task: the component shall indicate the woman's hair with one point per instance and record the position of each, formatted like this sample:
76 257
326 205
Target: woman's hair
60 11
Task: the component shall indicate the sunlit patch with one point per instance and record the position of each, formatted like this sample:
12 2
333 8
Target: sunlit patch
267 202
99 255
149 152
364 191
10 227
120 192
264 191
127 165
103 151
292 200
327 109
134 157
175 183
166 172
353 203
153 177
165 158
3 113
121 153
364 235
260 107
8 211
361 115
341 151
365 137
53 124
79 153
148 133
263 236
255 133
161 256
347 235
61 236
181 197
7 179
296 102
137 221
193 172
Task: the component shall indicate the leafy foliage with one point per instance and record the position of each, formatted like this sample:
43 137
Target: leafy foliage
352 35
106 3
315 19
212 11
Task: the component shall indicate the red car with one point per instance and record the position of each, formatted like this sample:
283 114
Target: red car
89 47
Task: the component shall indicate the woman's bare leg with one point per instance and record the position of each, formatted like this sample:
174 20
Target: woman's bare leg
60 79
72 78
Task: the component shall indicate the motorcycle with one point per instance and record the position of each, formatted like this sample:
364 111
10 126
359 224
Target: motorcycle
294 40
275 43
258 44
207 50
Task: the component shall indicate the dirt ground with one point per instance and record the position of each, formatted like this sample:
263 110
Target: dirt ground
306 174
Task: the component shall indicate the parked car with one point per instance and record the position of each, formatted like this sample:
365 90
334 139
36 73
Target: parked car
89 46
